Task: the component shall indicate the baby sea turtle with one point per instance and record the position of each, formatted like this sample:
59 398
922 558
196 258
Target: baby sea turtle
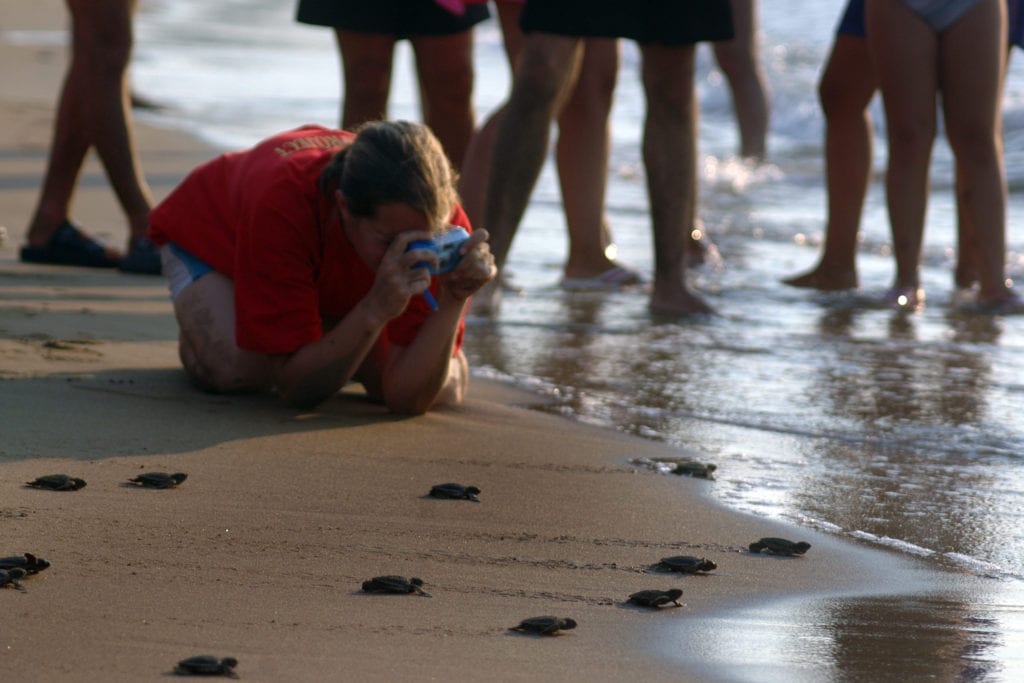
780 546
686 564
207 665
700 470
395 584
654 598
545 626
57 482
27 562
158 480
9 578
455 491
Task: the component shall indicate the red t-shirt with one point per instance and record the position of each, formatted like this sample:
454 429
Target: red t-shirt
259 217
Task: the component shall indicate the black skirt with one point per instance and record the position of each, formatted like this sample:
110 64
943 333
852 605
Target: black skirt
667 22
400 18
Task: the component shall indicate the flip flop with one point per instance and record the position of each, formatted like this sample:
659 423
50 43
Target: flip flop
142 259
610 280
69 246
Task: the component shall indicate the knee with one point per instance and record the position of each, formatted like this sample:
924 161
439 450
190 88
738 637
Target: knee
736 62
105 53
911 137
230 372
538 79
835 101
670 103
669 92
595 90
974 147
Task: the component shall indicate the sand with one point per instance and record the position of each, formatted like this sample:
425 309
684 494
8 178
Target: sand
260 554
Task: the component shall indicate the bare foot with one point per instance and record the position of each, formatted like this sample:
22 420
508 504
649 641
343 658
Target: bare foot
675 300
487 300
1009 303
825 279
614 277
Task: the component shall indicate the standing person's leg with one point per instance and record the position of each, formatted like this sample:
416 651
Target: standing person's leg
670 157
366 74
582 152
476 166
740 60
108 23
965 275
971 62
905 53
94 110
444 65
548 67
845 91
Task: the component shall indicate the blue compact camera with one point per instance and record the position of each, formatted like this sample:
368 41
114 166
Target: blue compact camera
446 246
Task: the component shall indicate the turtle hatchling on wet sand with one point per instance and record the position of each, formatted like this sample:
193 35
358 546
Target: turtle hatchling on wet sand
780 546
27 562
207 665
455 491
158 480
9 578
685 564
655 598
544 626
57 482
700 470
395 584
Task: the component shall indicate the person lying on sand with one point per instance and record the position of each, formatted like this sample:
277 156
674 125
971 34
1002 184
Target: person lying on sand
288 267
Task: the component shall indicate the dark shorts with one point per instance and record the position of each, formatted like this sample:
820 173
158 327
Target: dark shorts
668 22
401 18
852 23
1016 23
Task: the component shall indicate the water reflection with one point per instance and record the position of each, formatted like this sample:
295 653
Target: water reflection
897 638
913 466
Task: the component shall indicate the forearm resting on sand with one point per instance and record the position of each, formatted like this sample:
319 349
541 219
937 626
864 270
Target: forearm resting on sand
425 372
319 369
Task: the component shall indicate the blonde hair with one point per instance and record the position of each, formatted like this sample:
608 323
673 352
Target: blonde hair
394 162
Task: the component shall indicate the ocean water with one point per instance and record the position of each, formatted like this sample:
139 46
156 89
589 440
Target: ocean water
899 430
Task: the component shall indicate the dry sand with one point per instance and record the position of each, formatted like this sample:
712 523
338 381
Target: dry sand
261 552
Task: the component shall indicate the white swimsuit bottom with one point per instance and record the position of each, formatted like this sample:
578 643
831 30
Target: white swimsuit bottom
940 14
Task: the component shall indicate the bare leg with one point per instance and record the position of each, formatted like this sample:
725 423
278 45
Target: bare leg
366 71
972 62
965 275
846 89
905 52
476 166
740 60
206 317
582 157
444 65
547 71
670 156
94 110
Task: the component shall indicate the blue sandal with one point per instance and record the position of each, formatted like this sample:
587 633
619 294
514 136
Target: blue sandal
69 246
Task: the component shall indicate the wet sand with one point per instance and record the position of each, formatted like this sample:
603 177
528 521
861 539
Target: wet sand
260 554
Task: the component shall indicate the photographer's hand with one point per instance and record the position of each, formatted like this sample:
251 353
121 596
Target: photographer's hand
475 269
396 279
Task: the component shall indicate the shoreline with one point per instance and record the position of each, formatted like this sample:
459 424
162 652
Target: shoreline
260 554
